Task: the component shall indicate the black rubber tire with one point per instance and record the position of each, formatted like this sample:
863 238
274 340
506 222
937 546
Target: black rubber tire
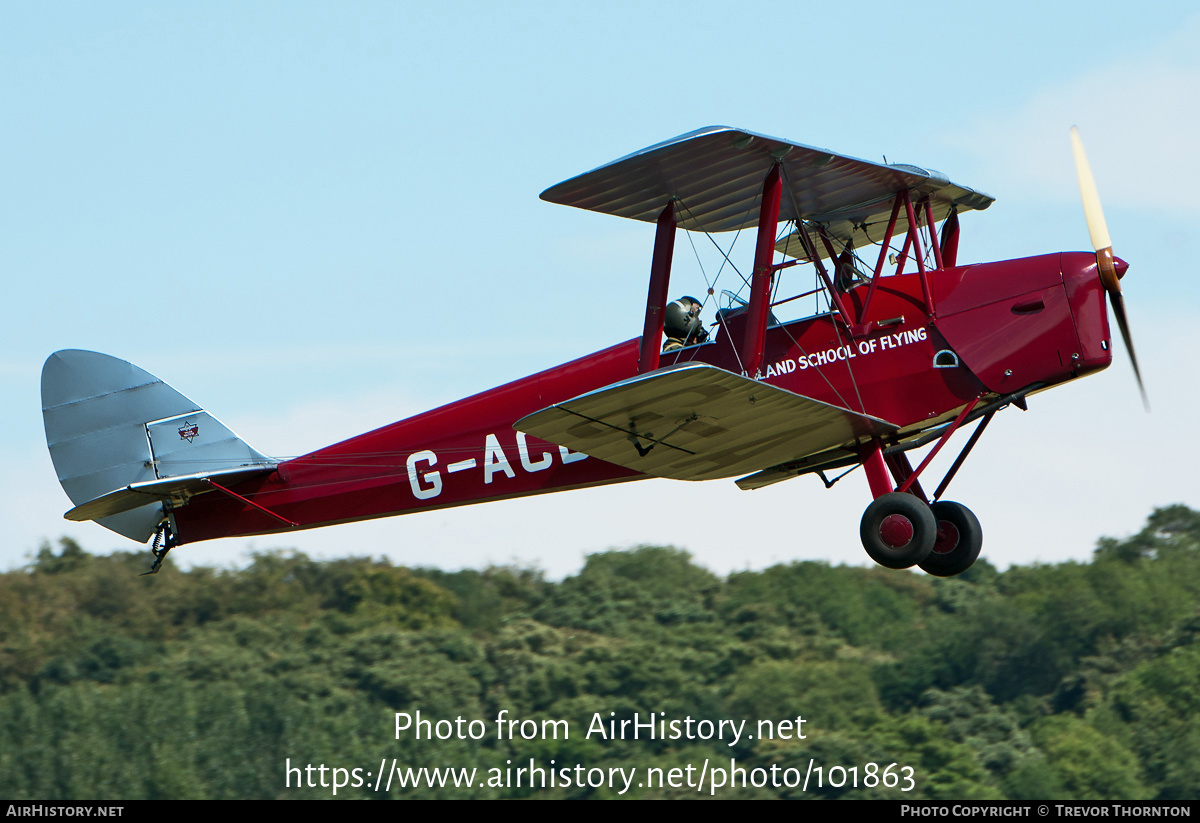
902 549
960 538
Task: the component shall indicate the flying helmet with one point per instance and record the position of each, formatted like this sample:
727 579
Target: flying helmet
682 322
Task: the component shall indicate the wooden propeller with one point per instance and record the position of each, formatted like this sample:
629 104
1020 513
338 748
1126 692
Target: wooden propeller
1102 245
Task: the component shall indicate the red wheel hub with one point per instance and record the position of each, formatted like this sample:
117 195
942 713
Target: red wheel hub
896 530
947 537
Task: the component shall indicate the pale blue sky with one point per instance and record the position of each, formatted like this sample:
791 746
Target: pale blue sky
316 218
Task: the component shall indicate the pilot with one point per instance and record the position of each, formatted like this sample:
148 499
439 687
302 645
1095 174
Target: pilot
846 276
682 324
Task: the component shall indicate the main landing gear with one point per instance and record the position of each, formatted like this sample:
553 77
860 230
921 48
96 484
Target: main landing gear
899 531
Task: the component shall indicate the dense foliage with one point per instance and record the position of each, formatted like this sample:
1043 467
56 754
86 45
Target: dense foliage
1079 680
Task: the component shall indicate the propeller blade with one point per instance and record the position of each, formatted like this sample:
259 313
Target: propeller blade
1102 245
1092 211
1118 307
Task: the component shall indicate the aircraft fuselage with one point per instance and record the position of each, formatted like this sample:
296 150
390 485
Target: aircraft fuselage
994 329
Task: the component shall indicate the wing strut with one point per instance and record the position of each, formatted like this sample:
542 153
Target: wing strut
660 282
760 284
863 327
914 233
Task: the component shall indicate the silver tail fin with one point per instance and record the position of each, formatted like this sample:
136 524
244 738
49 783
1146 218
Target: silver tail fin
118 436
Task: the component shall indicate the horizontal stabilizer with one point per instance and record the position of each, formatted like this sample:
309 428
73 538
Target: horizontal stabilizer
697 422
173 490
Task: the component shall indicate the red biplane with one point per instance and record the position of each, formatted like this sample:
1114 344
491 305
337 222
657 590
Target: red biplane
910 346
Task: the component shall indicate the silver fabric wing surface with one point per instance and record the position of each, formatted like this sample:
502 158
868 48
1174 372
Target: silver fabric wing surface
698 422
859 226
715 176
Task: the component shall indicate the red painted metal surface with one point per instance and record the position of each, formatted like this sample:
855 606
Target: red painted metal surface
657 297
465 452
896 531
249 502
949 242
914 237
861 327
875 467
947 537
1021 332
933 238
902 474
903 257
760 285
1086 298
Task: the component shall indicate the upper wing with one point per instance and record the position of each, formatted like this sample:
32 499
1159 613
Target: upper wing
698 422
862 224
716 174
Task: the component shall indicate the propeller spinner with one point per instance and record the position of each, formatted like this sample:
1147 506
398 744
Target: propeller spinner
1102 245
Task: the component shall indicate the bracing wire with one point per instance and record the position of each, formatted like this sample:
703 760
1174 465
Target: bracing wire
829 300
